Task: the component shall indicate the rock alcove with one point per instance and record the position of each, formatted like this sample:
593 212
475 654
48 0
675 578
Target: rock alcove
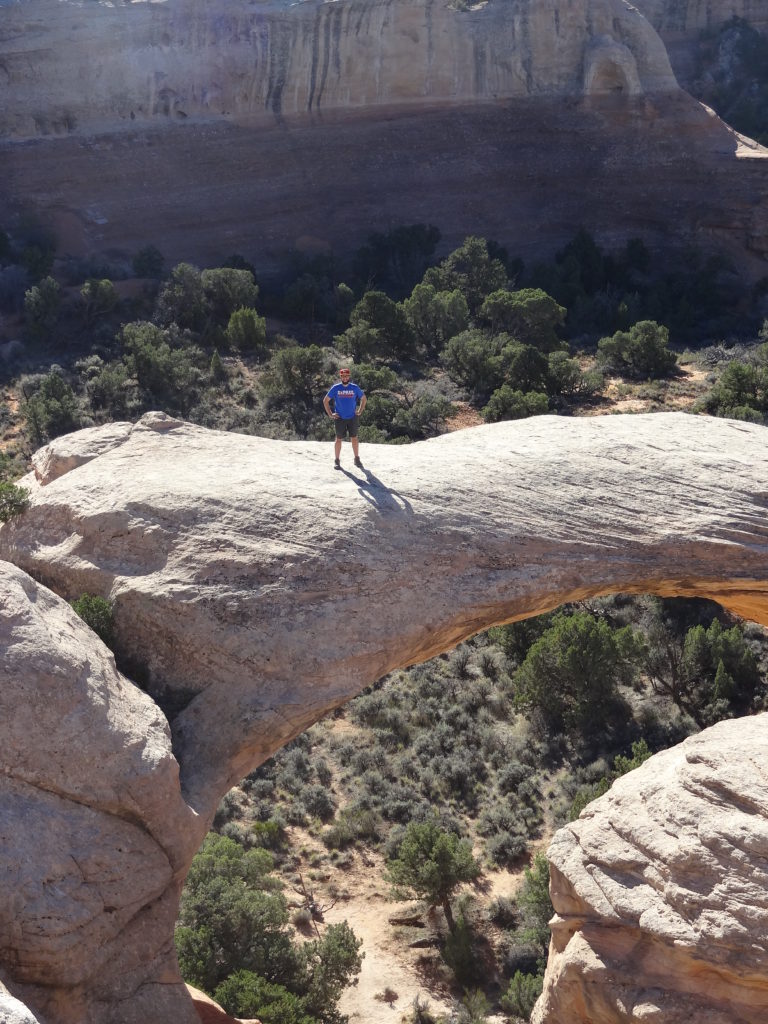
255 589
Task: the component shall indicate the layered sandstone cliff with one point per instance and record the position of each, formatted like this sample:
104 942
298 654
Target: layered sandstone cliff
316 123
674 19
71 67
217 551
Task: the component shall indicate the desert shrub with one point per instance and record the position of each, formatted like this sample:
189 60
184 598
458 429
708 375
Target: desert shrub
508 403
642 351
42 303
98 614
387 322
99 297
570 675
247 332
460 954
226 290
510 776
351 825
13 501
535 908
148 262
52 410
521 994
229 808
318 802
470 269
270 834
476 361
528 315
506 848
502 911
435 317
567 379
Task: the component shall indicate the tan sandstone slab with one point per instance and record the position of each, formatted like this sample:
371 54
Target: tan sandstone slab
254 590
660 891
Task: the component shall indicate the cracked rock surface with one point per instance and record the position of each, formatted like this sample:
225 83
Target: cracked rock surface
660 891
254 590
94 834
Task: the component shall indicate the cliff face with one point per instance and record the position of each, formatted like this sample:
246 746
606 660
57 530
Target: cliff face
675 18
70 67
277 124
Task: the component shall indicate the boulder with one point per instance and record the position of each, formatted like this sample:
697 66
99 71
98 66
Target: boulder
95 837
659 889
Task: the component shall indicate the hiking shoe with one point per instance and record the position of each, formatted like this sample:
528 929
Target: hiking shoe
336 464
358 462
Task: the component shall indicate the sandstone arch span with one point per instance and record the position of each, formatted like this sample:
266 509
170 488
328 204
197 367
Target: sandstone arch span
255 589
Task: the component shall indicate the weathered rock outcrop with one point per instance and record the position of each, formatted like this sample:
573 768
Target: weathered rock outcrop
660 891
95 838
256 589
521 119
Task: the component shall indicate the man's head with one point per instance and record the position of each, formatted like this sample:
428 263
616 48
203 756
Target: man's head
344 374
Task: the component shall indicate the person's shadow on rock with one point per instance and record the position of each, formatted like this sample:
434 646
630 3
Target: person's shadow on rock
383 498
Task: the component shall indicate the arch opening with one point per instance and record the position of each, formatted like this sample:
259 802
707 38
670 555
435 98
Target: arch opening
444 738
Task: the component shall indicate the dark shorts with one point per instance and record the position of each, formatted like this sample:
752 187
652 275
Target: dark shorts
344 427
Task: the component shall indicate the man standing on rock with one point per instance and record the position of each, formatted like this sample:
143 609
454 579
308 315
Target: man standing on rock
348 402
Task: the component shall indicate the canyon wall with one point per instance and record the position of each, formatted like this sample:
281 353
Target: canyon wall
74 67
689 18
260 127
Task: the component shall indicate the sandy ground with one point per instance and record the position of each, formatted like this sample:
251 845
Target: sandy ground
390 962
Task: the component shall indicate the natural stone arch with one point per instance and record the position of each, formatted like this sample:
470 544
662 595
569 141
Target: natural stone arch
255 589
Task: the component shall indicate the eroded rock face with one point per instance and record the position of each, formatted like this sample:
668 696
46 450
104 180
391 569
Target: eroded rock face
547 114
95 837
660 891
255 589
185 59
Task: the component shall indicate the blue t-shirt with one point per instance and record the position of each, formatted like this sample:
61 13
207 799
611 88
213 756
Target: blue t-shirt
345 398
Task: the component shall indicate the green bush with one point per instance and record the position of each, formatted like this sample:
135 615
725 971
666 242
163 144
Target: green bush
642 351
507 403
247 332
97 613
245 994
530 316
460 954
477 361
52 410
521 994
13 501
570 675
431 864
471 269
